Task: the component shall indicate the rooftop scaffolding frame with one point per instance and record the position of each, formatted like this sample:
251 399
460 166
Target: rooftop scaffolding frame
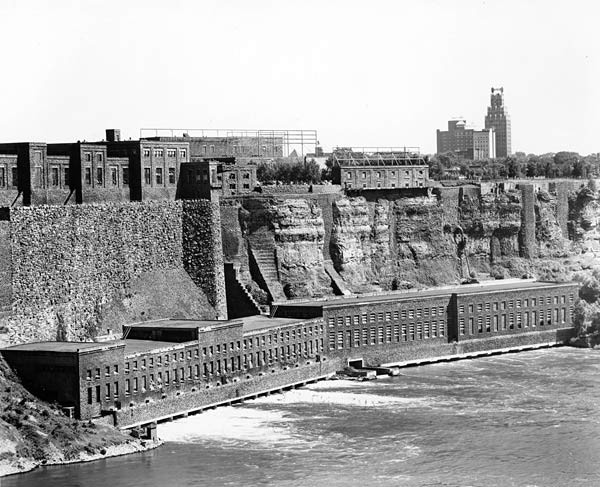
378 156
300 140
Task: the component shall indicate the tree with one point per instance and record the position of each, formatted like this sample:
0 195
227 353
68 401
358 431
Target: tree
289 171
513 167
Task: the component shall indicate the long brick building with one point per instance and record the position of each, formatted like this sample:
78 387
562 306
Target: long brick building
165 366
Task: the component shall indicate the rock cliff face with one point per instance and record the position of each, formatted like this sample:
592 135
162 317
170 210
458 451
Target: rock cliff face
298 229
492 223
350 246
584 216
548 232
407 241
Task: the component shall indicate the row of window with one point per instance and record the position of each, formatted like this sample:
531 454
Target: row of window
161 153
14 177
380 174
247 343
389 334
511 321
88 157
516 303
94 394
108 371
166 377
392 185
113 176
395 315
158 176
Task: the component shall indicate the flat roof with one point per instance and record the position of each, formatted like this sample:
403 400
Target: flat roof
141 346
182 324
486 287
64 346
249 323
258 322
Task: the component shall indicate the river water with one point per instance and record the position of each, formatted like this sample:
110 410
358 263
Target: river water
527 419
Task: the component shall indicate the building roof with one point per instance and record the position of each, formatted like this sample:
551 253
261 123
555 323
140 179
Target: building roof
182 324
62 347
259 322
249 323
142 346
485 287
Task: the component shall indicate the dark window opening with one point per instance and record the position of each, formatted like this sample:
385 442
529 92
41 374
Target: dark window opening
54 176
114 176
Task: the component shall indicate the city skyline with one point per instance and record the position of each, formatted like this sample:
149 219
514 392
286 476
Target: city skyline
388 74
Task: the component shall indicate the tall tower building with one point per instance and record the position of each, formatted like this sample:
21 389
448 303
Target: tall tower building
498 119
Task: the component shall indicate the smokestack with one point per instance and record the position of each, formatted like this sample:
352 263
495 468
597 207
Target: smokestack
113 135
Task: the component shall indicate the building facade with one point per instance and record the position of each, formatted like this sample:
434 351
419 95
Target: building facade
367 169
498 119
374 327
163 359
466 142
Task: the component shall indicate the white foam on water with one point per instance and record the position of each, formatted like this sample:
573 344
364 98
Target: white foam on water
230 424
312 396
335 384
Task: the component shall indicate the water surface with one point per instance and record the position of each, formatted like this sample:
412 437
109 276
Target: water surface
527 419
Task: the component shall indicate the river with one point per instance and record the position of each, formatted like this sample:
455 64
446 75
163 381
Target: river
526 419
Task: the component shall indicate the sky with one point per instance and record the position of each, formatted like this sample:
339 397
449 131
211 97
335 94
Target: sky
361 73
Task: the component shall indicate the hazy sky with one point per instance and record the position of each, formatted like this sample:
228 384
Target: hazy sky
362 73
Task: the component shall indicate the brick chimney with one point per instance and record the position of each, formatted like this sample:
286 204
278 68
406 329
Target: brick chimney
113 135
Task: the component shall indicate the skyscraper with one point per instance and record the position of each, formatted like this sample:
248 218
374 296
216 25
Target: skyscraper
498 119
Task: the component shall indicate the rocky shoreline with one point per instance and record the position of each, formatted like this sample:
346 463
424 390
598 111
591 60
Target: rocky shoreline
586 341
131 446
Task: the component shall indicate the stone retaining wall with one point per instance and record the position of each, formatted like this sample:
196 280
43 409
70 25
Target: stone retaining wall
81 271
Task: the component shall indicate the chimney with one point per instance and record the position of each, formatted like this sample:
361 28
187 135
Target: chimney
113 135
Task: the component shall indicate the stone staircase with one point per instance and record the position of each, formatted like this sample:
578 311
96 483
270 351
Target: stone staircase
263 310
240 302
339 286
262 250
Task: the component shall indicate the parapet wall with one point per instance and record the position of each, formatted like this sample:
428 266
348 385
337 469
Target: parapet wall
81 271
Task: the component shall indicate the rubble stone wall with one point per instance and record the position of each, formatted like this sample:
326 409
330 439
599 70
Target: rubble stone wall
84 270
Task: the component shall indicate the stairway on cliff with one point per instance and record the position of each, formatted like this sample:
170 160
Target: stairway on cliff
338 284
263 252
240 302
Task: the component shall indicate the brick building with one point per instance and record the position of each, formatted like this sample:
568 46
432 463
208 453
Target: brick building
375 326
163 359
466 142
154 166
369 169
83 172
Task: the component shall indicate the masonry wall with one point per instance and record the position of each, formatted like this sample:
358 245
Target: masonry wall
202 251
85 270
5 265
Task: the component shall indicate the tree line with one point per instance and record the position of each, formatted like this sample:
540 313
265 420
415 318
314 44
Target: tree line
552 165
286 171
